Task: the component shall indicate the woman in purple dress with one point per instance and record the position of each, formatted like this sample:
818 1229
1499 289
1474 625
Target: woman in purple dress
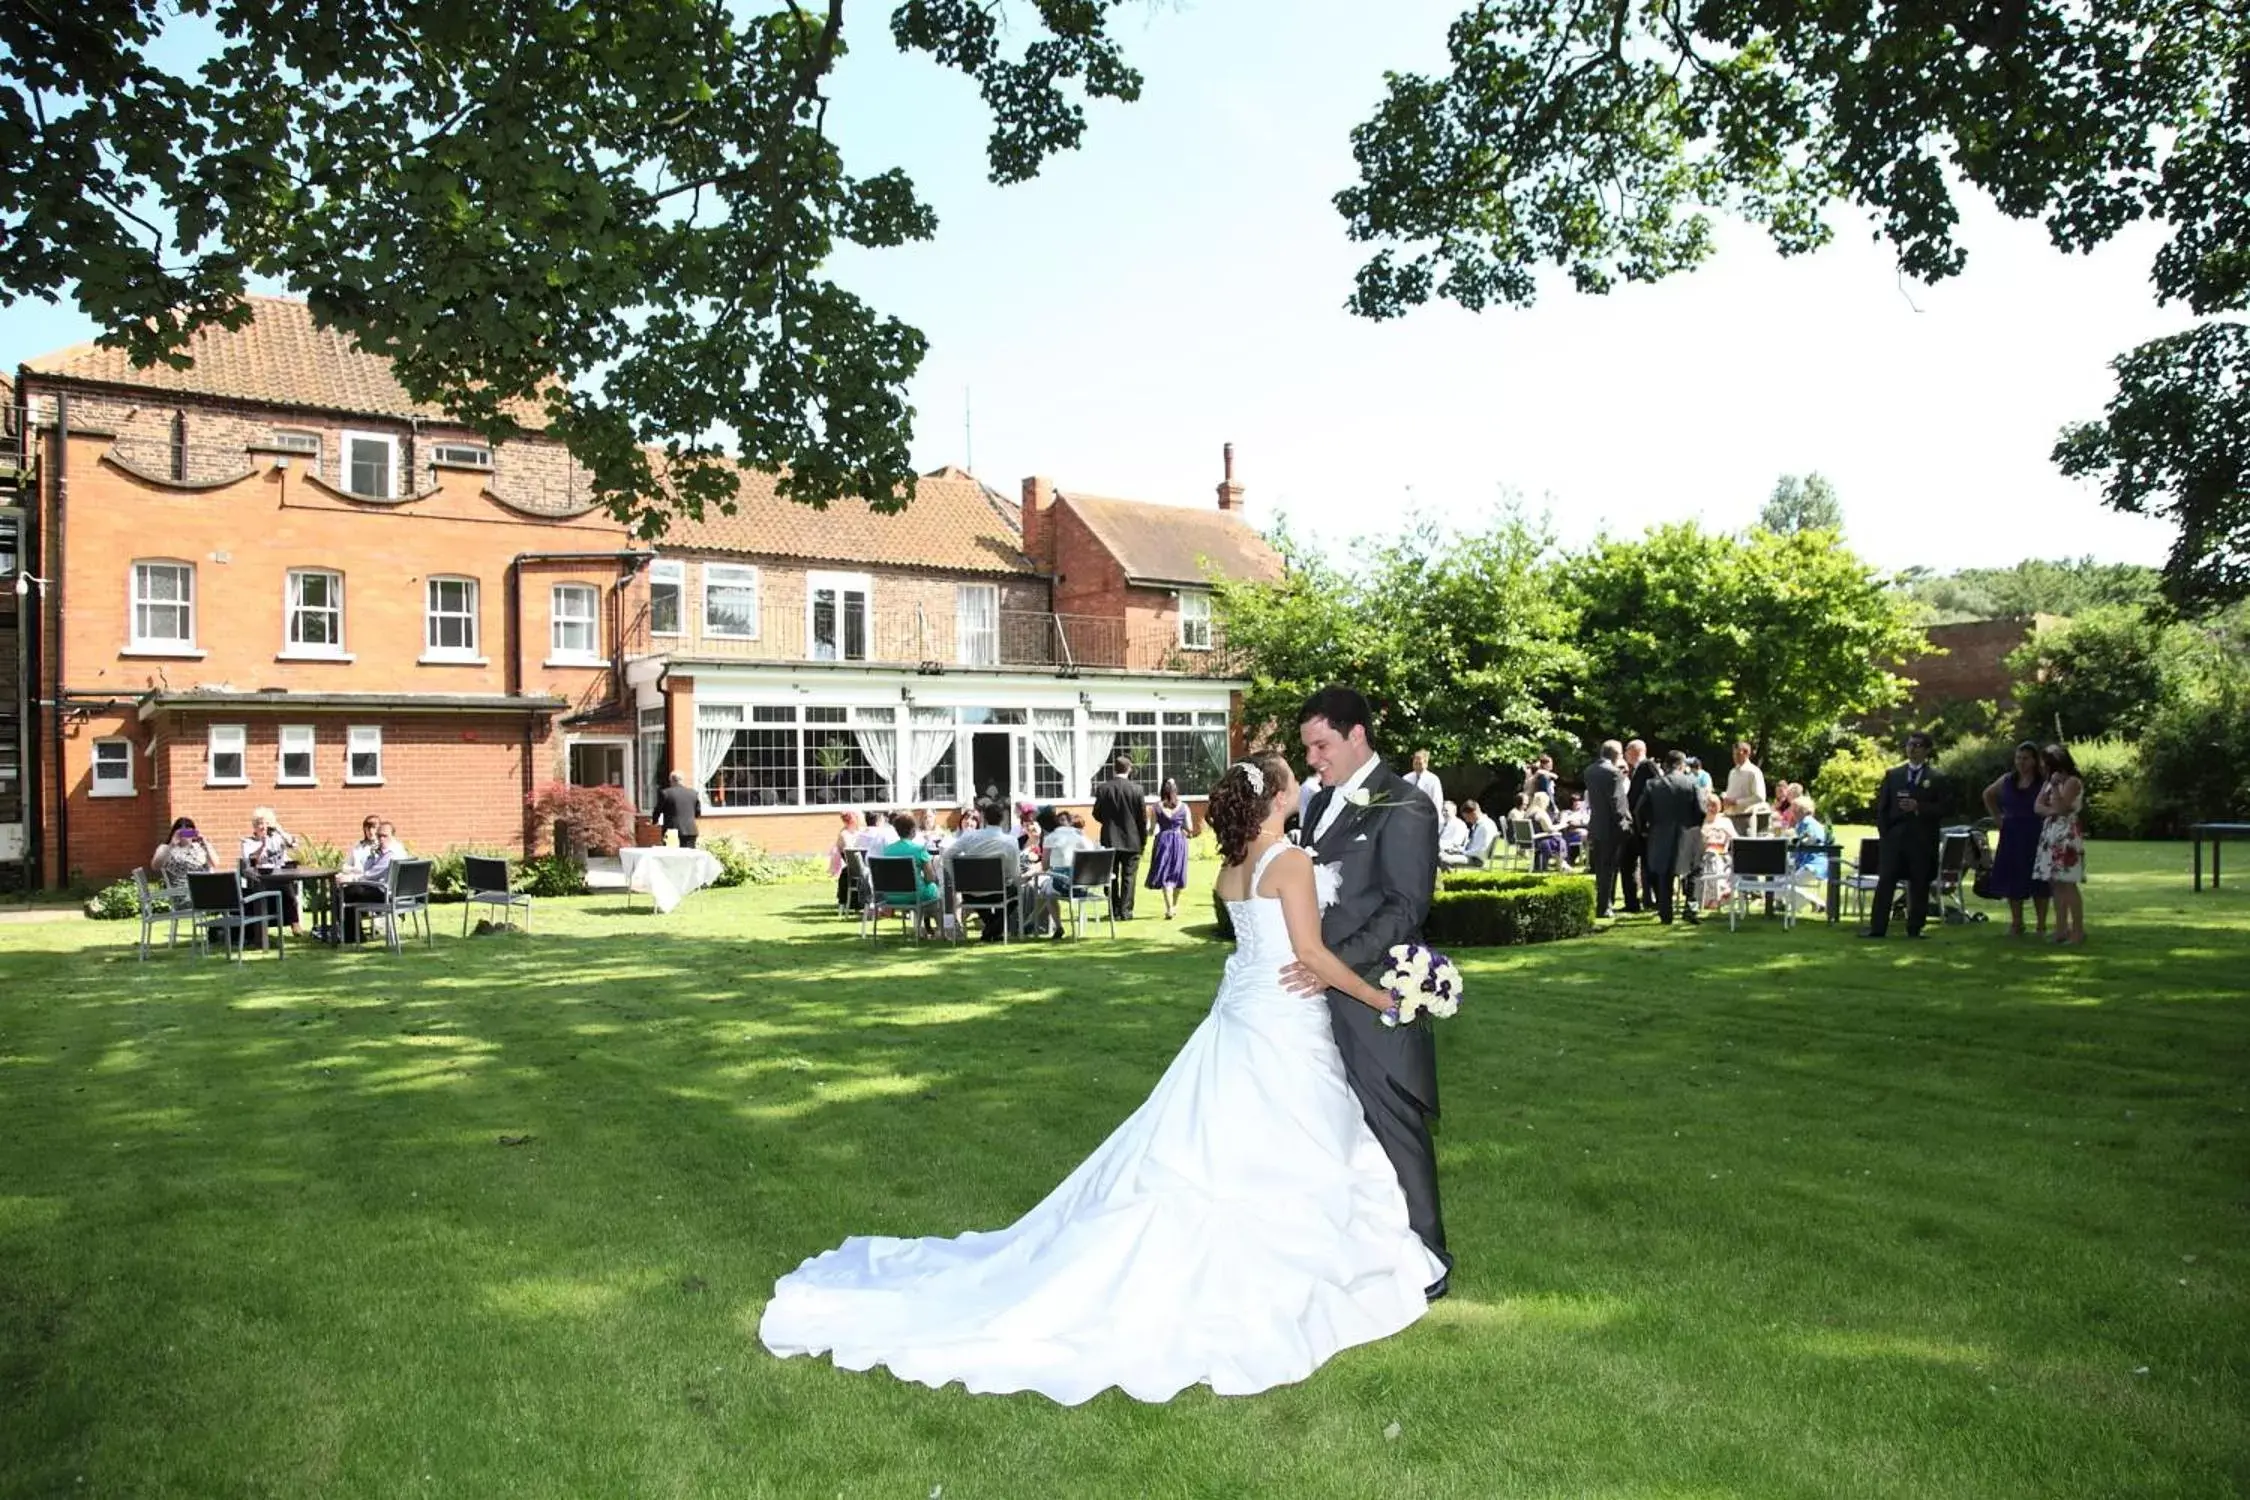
1167 860
2011 800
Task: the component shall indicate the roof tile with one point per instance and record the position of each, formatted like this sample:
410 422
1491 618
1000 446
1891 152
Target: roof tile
954 524
1171 543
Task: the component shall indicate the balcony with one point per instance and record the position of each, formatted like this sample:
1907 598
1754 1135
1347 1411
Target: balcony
1018 640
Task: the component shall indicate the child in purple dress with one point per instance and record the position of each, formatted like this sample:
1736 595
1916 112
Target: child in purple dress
1167 860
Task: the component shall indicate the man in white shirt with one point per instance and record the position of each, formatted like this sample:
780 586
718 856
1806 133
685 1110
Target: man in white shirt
1424 780
1452 839
1483 833
1745 796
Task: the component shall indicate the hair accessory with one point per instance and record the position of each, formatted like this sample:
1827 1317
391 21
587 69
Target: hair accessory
1252 774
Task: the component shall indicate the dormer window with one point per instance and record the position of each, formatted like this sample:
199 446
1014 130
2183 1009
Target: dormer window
1195 622
371 464
461 455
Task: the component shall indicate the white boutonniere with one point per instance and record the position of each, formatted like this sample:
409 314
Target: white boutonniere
1363 799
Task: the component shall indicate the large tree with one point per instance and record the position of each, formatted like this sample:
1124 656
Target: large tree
1698 638
1600 136
609 218
1802 504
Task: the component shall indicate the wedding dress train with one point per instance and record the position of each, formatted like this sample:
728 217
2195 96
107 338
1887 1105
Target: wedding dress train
1237 1230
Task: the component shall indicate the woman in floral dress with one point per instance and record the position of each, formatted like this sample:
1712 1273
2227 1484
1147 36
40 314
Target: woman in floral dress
2061 860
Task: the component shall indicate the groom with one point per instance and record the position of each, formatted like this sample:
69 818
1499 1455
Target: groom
1379 835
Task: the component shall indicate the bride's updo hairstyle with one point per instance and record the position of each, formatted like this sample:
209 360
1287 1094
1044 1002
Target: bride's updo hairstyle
1240 801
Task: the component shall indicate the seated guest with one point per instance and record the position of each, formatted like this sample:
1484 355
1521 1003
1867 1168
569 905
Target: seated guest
367 875
847 839
1809 861
874 832
1483 833
1027 826
1058 846
357 856
1785 795
265 848
1714 884
992 840
184 852
1548 847
929 898
1576 825
1453 839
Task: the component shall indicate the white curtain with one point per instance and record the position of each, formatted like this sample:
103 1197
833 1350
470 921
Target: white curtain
1053 736
933 736
714 737
879 743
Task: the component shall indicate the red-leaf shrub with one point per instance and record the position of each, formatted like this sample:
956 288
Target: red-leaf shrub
587 819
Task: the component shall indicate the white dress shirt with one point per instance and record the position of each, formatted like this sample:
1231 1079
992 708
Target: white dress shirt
1427 783
1453 838
1336 804
1483 836
1746 787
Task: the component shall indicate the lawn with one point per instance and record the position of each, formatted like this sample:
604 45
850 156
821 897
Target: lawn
1754 1214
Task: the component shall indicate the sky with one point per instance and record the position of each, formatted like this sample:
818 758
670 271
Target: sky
1178 283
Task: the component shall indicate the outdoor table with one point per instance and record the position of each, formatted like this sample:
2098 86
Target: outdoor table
316 889
2218 833
666 874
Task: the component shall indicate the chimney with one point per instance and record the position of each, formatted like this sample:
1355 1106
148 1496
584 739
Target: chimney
1230 493
1038 521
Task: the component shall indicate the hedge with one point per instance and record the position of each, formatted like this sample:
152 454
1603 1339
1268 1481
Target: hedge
1494 909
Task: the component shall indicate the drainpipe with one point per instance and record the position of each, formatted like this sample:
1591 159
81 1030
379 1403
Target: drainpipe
633 560
54 600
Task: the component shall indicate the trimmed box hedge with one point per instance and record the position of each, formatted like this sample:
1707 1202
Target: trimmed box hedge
1493 909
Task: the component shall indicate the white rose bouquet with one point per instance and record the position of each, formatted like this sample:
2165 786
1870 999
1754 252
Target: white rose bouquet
1420 980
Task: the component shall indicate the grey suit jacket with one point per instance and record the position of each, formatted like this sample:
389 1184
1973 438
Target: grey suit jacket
1386 854
1610 817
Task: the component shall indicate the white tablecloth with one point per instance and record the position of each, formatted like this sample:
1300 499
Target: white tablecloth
665 875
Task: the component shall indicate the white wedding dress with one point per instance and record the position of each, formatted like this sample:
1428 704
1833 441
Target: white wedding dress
1241 1227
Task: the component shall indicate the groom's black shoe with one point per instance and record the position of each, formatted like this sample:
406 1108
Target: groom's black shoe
1439 1287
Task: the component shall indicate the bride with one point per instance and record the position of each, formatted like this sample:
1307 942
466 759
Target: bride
1240 1228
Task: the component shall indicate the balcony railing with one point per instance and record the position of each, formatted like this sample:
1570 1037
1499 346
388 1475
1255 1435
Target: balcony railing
931 642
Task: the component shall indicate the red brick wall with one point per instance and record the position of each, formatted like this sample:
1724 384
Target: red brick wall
1972 666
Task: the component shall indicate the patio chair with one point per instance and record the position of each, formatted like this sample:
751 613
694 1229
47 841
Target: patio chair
1520 843
1860 875
1955 859
894 889
1762 868
1091 871
487 883
406 893
218 904
159 904
855 879
982 885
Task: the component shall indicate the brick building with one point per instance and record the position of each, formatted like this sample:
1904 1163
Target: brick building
272 578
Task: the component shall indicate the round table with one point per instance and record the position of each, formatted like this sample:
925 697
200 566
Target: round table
315 886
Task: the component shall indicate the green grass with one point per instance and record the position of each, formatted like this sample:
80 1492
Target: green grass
1749 1214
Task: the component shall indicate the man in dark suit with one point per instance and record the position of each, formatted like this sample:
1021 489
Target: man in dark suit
1609 821
1640 891
1909 818
1121 809
676 807
1671 812
1380 836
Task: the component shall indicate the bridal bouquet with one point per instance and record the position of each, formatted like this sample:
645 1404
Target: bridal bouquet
1420 979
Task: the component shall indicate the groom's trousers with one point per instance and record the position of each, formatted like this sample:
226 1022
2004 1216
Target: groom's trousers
1378 1061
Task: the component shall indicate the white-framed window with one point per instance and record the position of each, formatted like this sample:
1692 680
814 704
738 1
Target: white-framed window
297 440
667 583
730 601
1195 622
316 612
226 756
575 632
838 620
652 756
370 464
461 455
163 605
450 630
363 755
599 762
976 624
296 760
113 768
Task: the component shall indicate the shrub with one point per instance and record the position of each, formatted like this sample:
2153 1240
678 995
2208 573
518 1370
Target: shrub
2117 801
1846 784
2196 764
449 871
552 875
1490 909
114 902
586 819
744 863
1971 765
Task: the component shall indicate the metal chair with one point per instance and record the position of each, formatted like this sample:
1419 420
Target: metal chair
1954 860
982 885
406 893
219 904
855 877
486 881
894 889
1091 871
1761 868
1862 873
159 904
1521 842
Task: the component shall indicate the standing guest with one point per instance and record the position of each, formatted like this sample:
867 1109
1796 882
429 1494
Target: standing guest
1714 875
1483 833
1640 895
992 839
1671 810
2061 860
1424 780
676 807
1121 808
1745 798
1168 856
1611 821
184 852
847 840
929 897
1909 815
1543 778
1453 839
2013 801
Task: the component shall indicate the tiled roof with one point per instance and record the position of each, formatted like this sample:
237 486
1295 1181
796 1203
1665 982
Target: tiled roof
954 524
280 358
1171 543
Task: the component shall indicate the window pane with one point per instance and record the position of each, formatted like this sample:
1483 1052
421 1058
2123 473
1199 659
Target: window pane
664 606
759 769
1195 758
730 608
838 773
370 467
